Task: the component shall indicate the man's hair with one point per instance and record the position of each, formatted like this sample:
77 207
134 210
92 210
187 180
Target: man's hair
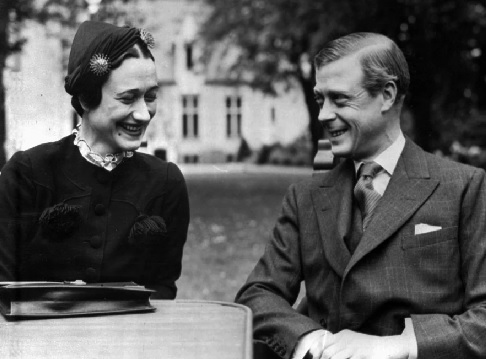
380 57
92 97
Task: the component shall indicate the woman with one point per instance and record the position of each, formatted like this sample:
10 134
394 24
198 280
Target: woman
88 207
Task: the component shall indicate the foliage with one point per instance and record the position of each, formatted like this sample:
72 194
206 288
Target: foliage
244 151
296 153
444 41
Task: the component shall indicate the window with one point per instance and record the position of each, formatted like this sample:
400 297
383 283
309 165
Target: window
233 116
189 56
190 119
191 158
272 114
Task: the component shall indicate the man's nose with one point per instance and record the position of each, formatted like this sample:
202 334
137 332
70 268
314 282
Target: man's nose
327 113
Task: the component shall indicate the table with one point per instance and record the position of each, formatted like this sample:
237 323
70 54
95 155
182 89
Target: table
179 329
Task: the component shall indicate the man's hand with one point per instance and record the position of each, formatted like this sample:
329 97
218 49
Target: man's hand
352 345
311 345
347 344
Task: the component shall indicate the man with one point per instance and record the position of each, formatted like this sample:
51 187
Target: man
391 244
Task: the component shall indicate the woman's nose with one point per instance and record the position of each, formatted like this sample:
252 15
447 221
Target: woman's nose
141 111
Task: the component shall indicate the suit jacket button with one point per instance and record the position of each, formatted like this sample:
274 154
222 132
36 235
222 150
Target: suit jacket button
323 323
91 275
96 242
99 209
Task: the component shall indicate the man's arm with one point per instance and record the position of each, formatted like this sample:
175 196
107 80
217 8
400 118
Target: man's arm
274 285
462 336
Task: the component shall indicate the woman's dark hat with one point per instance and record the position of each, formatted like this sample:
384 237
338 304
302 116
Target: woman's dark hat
95 46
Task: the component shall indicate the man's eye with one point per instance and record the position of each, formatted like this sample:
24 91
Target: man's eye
340 100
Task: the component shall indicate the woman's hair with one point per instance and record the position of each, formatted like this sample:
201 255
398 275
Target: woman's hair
91 98
380 57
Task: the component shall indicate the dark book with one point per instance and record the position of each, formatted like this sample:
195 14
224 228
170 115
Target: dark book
58 299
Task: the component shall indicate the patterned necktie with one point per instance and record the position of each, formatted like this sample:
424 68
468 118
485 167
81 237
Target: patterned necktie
364 193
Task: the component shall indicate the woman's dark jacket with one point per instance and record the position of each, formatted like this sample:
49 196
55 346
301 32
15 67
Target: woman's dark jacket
63 219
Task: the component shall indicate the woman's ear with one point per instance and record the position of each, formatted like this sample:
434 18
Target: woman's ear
83 104
389 94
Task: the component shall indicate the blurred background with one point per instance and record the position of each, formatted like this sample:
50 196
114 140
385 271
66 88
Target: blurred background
236 109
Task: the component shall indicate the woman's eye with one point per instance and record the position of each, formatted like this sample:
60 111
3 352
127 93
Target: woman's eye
151 98
127 100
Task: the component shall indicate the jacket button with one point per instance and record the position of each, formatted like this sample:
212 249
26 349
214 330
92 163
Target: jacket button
99 209
96 242
323 323
91 275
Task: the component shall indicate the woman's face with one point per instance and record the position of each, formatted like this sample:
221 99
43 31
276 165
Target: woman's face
128 103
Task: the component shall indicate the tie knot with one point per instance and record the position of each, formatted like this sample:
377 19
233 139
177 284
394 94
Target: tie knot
369 169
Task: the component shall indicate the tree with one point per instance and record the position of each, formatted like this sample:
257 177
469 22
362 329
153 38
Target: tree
442 39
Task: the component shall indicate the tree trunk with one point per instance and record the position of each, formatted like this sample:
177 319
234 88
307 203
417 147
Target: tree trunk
3 55
315 128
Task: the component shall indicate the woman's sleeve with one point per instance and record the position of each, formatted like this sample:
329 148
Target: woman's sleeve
164 265
17 214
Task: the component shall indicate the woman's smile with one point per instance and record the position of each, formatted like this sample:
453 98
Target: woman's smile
131 129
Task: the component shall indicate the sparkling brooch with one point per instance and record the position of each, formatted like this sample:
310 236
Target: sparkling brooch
147 38
99 64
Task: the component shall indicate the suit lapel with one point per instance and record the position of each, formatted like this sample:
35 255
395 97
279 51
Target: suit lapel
335 192
409 187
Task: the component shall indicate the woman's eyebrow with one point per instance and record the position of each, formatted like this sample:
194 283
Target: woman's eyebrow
137 90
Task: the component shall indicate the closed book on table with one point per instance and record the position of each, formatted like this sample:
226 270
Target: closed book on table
58 299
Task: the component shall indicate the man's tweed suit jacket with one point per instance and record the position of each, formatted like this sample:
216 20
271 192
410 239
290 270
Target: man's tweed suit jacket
437 278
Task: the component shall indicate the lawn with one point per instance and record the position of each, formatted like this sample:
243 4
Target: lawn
232 215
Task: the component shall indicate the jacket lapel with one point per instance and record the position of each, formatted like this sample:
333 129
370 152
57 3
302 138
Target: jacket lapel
409 187
335 192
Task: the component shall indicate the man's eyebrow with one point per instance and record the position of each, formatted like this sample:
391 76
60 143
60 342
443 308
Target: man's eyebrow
344 93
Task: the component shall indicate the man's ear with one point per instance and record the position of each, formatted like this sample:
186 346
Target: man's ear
389 94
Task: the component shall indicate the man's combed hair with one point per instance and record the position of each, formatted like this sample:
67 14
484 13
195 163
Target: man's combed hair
381 60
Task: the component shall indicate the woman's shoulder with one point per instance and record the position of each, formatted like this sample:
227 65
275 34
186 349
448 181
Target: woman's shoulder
45 151
150 163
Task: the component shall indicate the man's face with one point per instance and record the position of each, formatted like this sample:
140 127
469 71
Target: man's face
352 118
129 101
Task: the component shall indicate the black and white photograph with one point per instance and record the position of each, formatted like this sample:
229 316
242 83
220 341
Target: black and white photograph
243 179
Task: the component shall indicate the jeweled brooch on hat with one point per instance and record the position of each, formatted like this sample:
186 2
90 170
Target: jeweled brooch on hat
99 64
147 38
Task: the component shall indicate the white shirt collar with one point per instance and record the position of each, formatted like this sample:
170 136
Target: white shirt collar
388 159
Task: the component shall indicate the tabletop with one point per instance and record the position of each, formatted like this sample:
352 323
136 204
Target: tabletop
179 329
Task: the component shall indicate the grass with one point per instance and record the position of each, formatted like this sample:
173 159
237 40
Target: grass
232 215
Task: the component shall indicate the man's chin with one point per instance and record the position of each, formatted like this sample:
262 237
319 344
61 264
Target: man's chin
339 151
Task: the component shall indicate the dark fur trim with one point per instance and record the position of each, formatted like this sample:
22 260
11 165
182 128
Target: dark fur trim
147 229
59 221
